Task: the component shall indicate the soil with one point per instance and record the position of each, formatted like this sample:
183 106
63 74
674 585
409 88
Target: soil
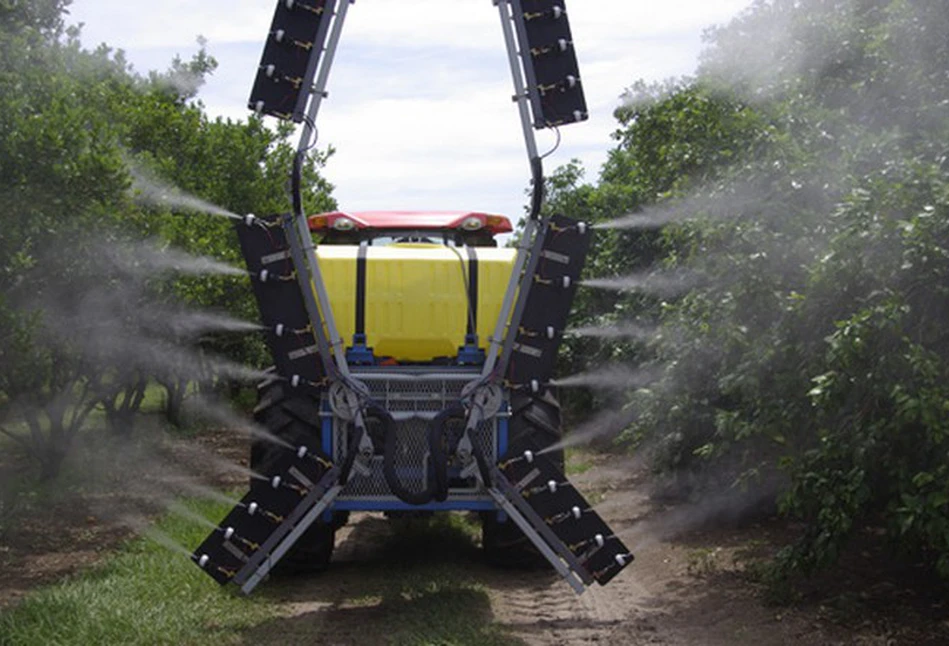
688 585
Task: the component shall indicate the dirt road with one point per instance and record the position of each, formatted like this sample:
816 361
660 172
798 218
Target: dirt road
426 583
430 586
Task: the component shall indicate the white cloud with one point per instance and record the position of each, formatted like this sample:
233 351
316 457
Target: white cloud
419 105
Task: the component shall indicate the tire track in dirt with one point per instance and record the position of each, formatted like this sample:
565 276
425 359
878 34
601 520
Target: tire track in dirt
543 610
685 590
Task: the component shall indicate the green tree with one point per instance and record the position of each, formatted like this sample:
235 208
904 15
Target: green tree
72 123
802 176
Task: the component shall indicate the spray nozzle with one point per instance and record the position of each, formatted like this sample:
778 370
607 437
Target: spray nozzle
203 561
552 486
581 226
259 107
252 508
279 329
275 483
599 540
302 451
529 456
566 282
295 381
250 219
228 533
535 386
263 275
577 512
622 559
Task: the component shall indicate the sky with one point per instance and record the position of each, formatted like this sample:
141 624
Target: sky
419 107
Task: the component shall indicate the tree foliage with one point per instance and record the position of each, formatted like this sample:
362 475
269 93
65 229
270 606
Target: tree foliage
804 174
76 127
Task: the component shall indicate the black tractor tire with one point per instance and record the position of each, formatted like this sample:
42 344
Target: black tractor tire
534 425
293 416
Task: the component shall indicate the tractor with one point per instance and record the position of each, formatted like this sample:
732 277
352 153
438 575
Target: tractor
413 353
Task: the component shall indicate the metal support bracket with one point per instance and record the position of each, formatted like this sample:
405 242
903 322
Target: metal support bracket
279 543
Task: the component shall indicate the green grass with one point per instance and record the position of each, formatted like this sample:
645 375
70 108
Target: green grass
420 587
577 461
146 594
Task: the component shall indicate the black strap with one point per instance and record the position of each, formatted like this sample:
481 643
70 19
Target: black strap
361 288
472 290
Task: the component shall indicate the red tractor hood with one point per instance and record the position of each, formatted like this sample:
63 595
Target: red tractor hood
404 220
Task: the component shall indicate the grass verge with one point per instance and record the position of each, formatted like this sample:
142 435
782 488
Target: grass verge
147 594
420 583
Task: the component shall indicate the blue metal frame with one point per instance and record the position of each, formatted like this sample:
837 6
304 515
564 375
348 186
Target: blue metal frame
357 504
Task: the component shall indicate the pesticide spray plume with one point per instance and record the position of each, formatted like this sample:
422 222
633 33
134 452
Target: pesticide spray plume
224 414
650 219
195 323
150 256
190 487
707 203
613 332
150 190
222 465
663 284
713 506
166 541
179 509
616 377
605 425
143 527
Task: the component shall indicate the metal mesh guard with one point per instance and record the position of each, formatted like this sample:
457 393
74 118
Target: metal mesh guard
412 402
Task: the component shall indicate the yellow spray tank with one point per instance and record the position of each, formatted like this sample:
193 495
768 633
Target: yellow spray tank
416 295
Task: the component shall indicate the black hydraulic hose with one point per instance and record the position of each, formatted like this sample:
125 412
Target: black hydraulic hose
390 431
483 466
437 486
436 432
296 181
355 438
537 194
